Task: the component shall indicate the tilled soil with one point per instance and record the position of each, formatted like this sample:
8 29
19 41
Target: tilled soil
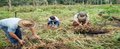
90 30
47 46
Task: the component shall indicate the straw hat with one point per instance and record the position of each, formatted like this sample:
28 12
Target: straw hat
26 23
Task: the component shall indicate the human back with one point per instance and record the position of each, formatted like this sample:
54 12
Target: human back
10 23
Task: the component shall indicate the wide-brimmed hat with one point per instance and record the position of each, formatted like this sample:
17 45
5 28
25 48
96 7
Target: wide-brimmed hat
26 23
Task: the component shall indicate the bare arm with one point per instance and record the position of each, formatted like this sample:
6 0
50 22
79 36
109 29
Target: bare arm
14 36
80 24
34 33
76 20
87 21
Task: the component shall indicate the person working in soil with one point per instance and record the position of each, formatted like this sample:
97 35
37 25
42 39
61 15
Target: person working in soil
11 27
81 19
53 22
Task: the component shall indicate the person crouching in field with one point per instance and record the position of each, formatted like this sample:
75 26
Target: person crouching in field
53 22
11 27
81 19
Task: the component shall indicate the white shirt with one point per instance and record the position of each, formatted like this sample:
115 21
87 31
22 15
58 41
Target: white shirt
10 23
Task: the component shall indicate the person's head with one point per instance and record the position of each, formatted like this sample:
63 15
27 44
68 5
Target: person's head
26 24
52 17
82 15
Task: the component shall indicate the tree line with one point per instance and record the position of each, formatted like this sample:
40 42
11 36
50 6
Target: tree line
53 2
11 3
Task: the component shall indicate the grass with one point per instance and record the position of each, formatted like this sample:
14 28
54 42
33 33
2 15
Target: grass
65 13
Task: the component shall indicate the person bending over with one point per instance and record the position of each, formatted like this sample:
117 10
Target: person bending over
11 27
53 22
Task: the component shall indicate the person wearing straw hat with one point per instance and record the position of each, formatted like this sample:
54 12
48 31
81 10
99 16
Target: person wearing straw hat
11 27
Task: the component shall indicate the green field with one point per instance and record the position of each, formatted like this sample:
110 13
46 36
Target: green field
65 34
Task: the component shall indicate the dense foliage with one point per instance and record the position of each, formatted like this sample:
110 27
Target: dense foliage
53 2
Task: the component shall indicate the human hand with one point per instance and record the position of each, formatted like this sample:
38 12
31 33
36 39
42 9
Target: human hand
22 42
80 25
55 26
85 24
36 37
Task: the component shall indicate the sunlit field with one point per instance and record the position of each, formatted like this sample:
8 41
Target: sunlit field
64 37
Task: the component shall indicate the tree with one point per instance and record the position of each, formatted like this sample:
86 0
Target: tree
46 2
110 1
53 2
118 1
34 4
9 5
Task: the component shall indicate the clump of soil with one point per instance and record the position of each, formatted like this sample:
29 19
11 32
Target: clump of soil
117 23
49 46
11 47
90 30
44 44
52 45
56 46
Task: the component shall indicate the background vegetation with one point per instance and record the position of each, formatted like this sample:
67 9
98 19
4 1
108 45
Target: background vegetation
11 3
40 10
